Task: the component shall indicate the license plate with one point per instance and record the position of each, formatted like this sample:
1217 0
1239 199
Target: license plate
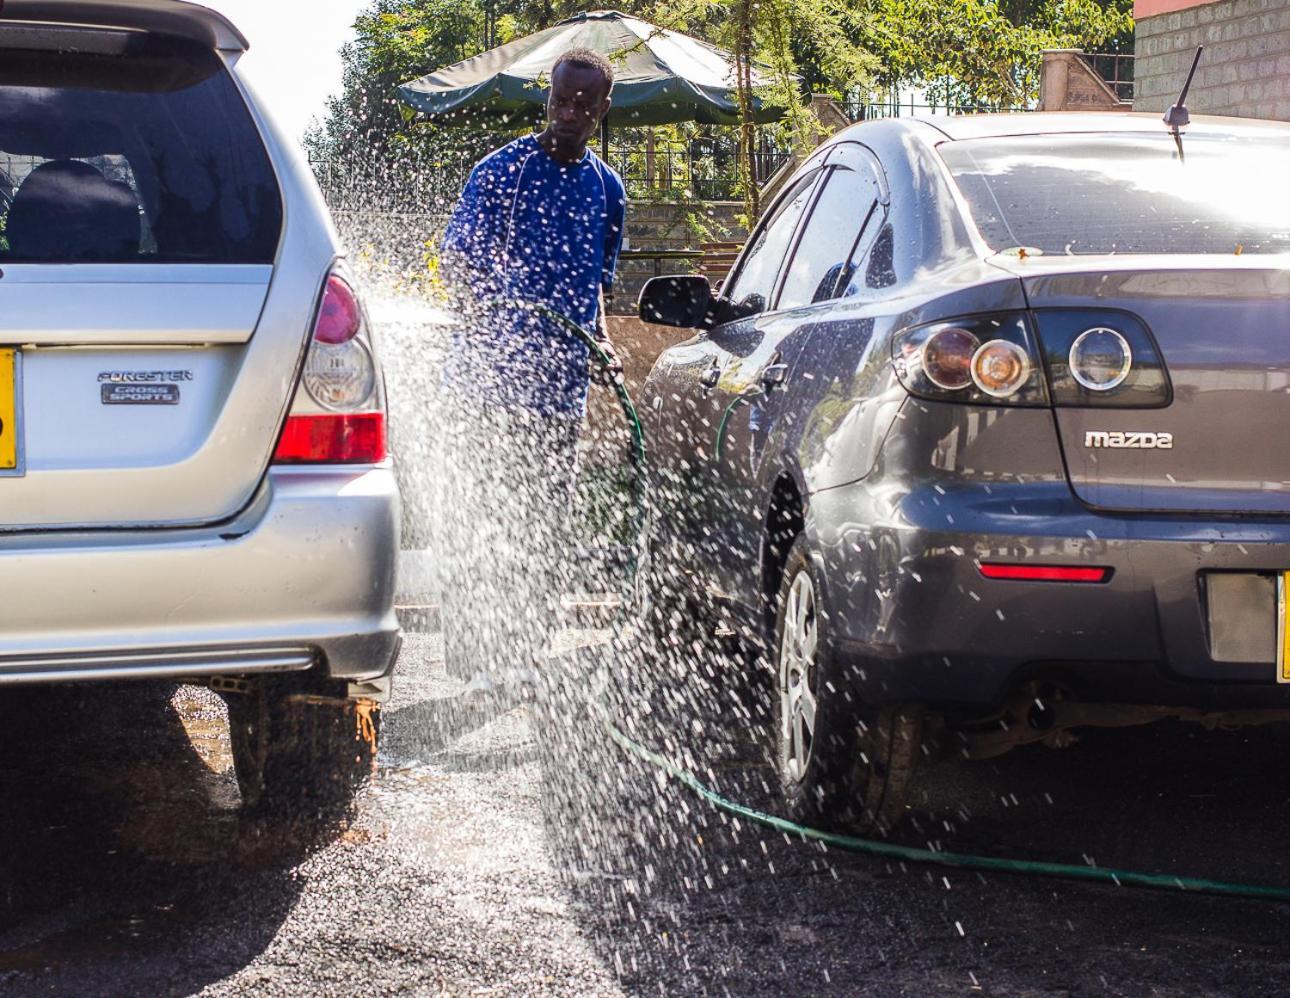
8 409
1283 631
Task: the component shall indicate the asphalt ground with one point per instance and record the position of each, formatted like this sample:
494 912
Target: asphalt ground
514 851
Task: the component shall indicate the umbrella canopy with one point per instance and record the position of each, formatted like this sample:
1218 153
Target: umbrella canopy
660 76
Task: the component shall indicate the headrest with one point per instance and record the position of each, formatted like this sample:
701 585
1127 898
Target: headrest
69 212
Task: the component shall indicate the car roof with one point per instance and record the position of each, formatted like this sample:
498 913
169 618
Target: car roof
979 126
172 17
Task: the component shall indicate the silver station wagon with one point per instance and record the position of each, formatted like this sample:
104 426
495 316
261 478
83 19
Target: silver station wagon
194 482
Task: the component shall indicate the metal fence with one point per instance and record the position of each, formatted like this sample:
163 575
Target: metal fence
706 169
1117 69
895 108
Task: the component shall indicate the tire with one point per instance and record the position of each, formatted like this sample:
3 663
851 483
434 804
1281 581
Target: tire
298 755
851 768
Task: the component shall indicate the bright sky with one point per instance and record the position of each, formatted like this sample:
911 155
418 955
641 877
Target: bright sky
294 61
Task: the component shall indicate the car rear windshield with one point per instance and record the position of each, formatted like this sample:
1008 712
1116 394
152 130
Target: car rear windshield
1127 193
139 150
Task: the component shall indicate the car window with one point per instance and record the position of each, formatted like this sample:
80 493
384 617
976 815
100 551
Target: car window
877 268
751 289
146 154
1126 193
820 261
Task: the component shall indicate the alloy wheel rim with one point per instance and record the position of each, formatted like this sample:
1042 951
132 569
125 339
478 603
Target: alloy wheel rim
797 677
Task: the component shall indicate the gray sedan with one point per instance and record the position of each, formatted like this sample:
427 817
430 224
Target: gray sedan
983 438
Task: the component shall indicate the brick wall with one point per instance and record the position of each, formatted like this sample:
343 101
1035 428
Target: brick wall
1245 70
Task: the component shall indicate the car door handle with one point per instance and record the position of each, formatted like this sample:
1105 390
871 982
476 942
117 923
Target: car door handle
773 376
710 377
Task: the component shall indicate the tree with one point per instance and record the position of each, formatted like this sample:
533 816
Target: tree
974 52
983 52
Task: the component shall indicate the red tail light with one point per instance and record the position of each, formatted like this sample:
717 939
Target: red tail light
332 438
1044 573
339 317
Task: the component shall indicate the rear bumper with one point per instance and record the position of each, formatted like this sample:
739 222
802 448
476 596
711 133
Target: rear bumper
304 577
917 621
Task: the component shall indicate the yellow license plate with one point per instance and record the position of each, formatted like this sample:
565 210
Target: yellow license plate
8 409
1283 630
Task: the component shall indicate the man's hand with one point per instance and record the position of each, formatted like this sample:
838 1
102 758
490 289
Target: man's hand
611 373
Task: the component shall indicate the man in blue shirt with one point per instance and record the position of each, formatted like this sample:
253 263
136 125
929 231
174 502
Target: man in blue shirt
537 231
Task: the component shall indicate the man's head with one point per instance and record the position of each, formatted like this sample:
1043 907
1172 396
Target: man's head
581 82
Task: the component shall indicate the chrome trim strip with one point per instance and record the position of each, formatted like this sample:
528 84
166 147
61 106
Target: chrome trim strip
162 663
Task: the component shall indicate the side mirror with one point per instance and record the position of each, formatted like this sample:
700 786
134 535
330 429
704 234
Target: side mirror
682 300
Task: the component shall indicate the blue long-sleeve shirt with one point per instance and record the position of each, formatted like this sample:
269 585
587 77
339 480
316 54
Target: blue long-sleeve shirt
531 229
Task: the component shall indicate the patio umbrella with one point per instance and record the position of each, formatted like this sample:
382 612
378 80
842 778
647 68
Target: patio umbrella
661 76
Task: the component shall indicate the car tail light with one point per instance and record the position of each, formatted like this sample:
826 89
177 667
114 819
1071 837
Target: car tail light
340 376
340 318
1071 357
1000 368
1101 359
1043 573
986 360
947 358
338 414
332 438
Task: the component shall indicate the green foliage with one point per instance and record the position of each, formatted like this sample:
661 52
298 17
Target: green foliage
969 51
983 51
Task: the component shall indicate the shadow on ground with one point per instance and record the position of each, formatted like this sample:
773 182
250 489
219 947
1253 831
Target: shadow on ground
684 899
125 858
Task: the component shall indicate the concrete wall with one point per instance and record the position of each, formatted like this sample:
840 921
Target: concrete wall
1245 70
1068 83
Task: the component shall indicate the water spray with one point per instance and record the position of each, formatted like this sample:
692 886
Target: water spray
850 843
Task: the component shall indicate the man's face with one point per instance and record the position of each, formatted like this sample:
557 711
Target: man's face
579 98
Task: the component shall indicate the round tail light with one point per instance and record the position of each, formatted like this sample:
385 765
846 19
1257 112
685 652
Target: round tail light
1000 368
1100 359
340 376
947 358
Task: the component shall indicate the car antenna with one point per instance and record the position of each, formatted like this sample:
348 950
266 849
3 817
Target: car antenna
1177 117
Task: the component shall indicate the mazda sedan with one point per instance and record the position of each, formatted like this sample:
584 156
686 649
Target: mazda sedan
193 469
984 437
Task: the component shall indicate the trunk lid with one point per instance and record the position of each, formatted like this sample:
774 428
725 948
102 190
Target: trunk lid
140 219
1222 327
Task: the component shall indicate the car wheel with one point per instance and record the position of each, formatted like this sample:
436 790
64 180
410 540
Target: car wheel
300 755
841 763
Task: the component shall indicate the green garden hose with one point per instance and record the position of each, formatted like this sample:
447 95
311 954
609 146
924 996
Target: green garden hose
739 400
1121 878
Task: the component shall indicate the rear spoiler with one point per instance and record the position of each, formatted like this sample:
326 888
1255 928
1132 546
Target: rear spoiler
169 17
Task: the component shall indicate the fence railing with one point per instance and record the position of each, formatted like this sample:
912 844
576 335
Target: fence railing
703 168
1117 69
708 171
869 110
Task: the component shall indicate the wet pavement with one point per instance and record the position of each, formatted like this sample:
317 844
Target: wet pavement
519 853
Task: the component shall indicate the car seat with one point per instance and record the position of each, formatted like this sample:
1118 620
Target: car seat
68 211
